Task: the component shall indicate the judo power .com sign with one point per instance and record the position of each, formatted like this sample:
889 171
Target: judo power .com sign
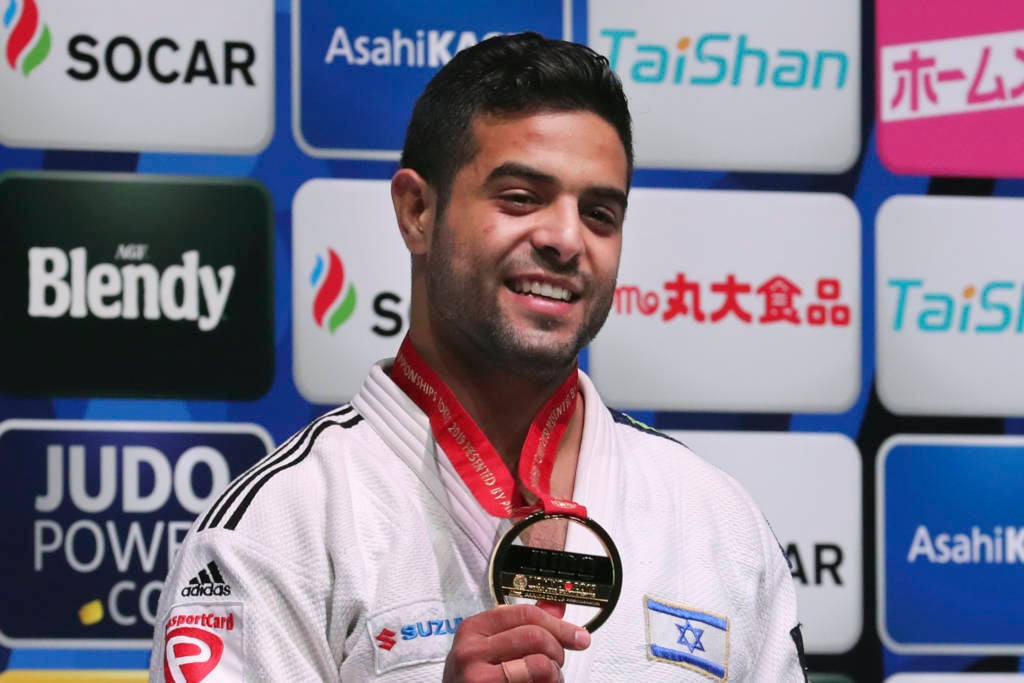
94 512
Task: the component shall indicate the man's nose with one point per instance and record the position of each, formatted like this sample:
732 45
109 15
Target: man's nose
559 232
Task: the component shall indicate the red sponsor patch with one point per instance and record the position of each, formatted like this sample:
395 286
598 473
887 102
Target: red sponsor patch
386 638
190 654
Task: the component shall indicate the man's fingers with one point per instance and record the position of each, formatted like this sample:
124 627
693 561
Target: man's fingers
531 669
523 641
507 617
512 644
516 671
555 609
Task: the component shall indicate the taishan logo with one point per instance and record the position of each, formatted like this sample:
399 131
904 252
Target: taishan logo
992 308
732 298
330 308
28 42
724 59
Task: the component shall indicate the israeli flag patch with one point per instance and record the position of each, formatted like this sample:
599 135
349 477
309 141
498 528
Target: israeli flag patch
688 638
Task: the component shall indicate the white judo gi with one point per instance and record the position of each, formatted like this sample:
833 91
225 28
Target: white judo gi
354 550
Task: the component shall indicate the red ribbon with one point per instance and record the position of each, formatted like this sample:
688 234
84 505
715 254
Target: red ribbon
472 454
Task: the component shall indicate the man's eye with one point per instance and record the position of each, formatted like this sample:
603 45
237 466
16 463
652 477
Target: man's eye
602 215
517 198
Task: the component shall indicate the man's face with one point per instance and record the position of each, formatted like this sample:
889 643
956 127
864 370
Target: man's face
522 263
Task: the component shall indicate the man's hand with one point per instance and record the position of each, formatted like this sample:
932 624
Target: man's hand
512 644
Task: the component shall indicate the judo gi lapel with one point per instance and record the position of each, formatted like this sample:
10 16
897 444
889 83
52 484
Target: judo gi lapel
598 473
406 430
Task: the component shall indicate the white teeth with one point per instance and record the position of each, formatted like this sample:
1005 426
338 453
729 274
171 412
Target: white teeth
543 289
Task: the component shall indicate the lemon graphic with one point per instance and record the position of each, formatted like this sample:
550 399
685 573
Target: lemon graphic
91 613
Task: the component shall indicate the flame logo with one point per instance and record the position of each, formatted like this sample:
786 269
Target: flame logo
20 44
328 294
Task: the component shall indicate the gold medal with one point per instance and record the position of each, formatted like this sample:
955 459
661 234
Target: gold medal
519 571
522 572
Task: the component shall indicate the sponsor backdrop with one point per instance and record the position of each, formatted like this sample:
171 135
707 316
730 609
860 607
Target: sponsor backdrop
820 290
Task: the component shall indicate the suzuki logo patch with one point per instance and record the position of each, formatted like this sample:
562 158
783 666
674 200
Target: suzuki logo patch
688 638
416 633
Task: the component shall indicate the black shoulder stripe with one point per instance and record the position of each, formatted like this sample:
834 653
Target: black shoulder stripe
798 640
217 511
244 505
228 497
623 418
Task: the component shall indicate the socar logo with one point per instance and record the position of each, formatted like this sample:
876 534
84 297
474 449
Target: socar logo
329 306
26 43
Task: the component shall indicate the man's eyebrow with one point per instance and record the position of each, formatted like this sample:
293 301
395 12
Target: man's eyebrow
512 169
610 193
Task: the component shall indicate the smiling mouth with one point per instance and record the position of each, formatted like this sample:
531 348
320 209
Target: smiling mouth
542 289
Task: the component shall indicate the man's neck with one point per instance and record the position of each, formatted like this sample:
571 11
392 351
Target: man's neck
504 405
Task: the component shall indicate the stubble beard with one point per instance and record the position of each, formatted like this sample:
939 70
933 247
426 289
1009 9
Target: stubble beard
477 326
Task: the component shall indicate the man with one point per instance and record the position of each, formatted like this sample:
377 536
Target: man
360 549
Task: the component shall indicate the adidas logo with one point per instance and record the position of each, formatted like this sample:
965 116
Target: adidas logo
207 582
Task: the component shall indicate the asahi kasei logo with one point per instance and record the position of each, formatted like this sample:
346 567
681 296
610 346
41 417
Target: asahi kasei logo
382 55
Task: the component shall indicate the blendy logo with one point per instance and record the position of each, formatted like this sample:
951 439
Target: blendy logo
29 38
64 284
423 48
163 284
723 59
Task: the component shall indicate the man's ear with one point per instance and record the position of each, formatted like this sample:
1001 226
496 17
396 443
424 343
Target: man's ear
415 208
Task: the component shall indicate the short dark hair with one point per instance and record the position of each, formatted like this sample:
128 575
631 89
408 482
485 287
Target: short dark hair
521 73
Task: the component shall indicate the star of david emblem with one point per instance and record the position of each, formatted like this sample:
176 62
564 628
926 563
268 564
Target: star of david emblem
687 630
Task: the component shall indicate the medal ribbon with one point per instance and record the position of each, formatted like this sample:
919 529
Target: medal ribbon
472 454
